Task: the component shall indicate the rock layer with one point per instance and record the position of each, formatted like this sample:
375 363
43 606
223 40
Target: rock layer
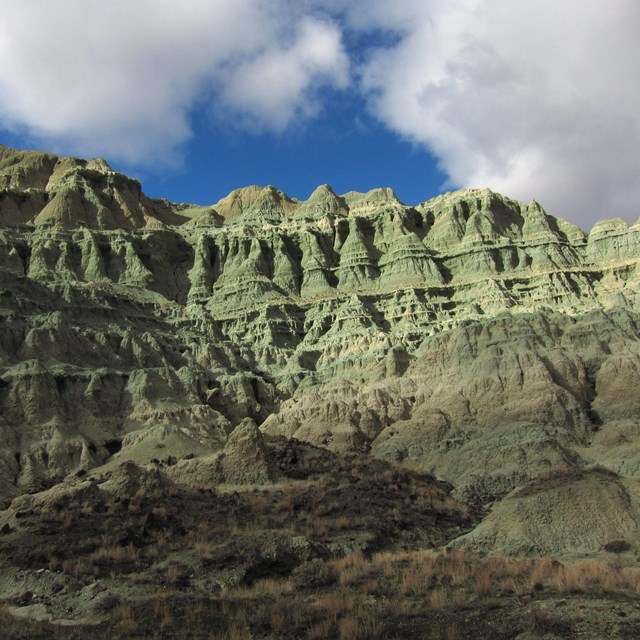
568 511
474 336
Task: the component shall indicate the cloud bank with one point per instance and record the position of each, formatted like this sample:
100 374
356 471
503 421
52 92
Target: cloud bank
535 98
121 78
531 98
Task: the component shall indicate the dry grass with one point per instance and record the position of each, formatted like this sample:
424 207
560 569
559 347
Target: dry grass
359 627
352 569
414 583
543 623
416 588
123 617
483 585
452 632
164 612
334 603
271 587
445 577
189 549
115 555
279 623
348 628
590 577
320 631
440 599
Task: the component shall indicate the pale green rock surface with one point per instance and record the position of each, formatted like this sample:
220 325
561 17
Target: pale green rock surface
566 512
473 336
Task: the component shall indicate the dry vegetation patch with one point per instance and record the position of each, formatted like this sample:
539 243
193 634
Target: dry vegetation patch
317 556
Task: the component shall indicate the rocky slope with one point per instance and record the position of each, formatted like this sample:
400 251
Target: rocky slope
474 337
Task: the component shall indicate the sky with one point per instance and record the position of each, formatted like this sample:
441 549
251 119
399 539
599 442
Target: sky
533 99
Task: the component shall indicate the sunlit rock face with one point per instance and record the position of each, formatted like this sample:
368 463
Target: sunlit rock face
474 336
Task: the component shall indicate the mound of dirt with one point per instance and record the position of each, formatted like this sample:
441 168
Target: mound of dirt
569 511
244 460
129 479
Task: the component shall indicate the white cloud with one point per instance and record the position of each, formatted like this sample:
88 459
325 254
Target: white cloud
274 88
119 78
535 98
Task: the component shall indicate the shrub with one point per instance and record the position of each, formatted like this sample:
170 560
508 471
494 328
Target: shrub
314 574
106 602
617 546
542 623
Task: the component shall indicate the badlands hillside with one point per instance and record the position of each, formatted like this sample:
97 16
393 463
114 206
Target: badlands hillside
345 374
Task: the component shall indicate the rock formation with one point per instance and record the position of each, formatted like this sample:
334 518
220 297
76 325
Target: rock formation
472 336
564 511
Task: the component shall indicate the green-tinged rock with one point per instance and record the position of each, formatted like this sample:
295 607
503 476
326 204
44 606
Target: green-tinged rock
478 338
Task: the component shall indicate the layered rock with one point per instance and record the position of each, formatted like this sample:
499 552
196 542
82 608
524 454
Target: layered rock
479 338
564 512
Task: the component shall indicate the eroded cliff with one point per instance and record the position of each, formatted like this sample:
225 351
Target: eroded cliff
476 337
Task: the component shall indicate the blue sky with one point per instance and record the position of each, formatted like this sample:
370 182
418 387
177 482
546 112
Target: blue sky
534 99
344 147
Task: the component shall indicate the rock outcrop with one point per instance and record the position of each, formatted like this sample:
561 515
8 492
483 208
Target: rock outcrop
473 336
563 512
